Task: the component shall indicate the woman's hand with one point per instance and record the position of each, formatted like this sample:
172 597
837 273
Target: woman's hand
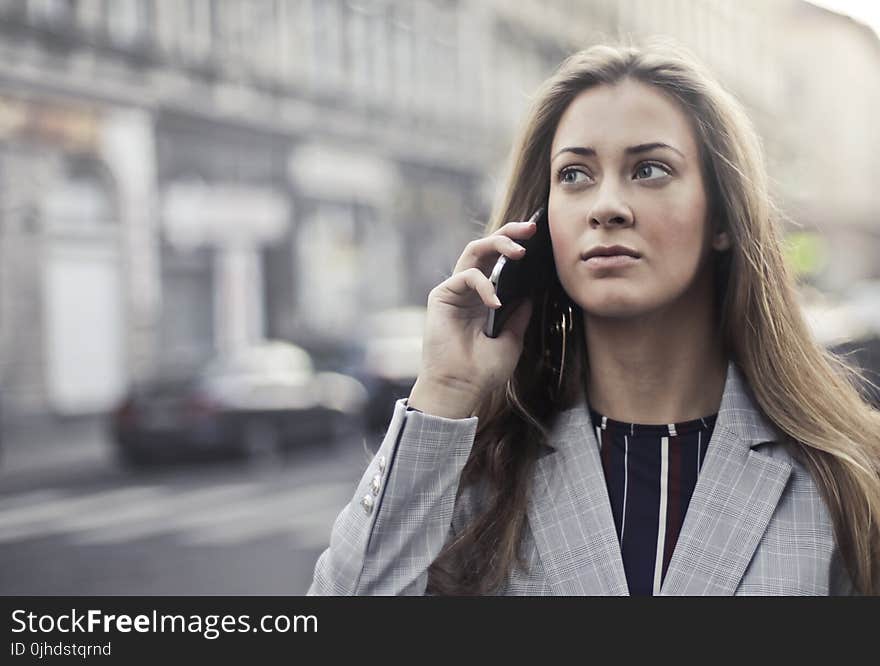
460 364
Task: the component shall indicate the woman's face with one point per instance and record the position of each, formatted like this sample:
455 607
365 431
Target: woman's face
610 187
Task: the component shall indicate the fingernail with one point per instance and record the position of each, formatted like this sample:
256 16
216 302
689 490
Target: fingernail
496 301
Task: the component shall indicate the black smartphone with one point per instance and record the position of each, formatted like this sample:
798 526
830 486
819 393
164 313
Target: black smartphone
517 279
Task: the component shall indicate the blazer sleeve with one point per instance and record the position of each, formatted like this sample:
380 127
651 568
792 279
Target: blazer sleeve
399 518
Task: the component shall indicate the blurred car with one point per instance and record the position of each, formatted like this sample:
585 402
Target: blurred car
391 359
260 401
864 354
848 325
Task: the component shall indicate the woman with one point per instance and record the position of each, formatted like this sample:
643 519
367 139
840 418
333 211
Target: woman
659 423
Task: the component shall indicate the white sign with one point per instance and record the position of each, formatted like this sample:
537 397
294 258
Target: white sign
196 214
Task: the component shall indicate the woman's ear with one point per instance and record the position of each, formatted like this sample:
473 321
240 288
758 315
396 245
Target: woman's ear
721 241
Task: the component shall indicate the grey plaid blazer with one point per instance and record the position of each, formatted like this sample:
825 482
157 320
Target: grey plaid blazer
756 523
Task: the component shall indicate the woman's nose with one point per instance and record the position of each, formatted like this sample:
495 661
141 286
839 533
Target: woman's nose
609 208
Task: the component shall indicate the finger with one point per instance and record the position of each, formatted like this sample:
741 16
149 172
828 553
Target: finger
473 279
521 229
483 252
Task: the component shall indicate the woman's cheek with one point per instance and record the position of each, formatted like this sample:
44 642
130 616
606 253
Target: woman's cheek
564 250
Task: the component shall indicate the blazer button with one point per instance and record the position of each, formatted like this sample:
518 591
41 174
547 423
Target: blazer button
382 463
375 483
367 503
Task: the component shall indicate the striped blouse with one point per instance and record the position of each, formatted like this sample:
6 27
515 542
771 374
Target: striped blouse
650 471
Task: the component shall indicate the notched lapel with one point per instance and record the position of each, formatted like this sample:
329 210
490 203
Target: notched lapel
570 513
733 501
732 504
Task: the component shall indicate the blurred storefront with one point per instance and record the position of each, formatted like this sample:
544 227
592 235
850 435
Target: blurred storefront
224 204
177 178
64 275
183 178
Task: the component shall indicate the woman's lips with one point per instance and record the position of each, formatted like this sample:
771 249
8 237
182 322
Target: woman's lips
611 261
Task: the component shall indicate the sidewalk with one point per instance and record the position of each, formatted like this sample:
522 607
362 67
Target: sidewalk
39 451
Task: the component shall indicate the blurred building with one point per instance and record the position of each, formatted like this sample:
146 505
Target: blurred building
178 178
182 177
810 80
833 106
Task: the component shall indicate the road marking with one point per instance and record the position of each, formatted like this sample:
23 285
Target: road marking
131 522
36 520
320 520
31 498
222 516
302 507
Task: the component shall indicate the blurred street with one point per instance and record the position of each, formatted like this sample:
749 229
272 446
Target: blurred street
75 522
220 221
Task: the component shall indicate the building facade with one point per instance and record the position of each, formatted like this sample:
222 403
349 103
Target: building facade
178 178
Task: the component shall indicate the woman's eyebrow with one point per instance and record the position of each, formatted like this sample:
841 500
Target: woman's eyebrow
631 150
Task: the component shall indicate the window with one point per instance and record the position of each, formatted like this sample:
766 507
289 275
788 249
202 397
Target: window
196 35
53 12
293 45
127 21
358 48
325 69
403 53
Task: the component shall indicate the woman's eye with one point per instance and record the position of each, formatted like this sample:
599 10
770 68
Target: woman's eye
569 176
647 167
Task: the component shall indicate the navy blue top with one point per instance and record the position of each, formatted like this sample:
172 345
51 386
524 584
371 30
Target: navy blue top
650 472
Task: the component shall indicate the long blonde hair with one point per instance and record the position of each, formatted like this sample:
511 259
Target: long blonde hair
806 391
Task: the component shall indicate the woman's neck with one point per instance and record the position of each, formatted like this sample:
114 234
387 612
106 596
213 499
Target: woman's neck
665 367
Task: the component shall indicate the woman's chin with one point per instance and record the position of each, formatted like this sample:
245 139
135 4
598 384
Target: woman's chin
617 308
